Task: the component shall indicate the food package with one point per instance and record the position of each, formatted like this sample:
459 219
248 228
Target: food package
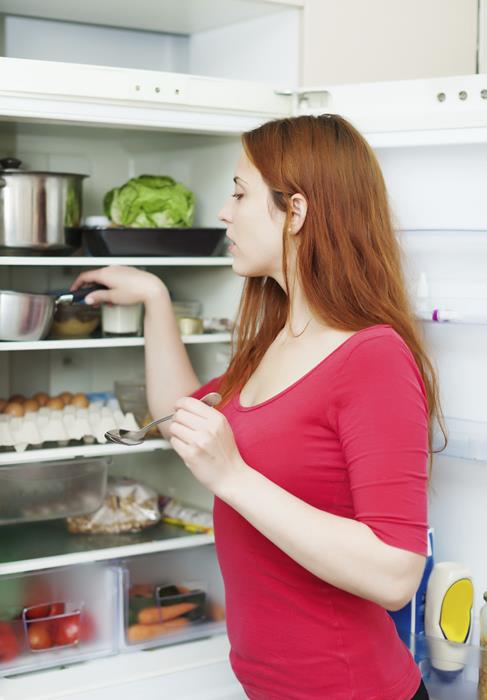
128 507
191 519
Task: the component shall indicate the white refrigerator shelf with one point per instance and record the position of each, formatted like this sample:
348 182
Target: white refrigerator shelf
89 261
121 342
82 450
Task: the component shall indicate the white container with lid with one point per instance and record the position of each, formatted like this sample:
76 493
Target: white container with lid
121 320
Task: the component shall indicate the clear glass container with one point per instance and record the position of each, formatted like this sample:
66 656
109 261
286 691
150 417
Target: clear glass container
75 321
47 490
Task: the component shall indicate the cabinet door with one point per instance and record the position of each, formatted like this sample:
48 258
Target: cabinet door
354 41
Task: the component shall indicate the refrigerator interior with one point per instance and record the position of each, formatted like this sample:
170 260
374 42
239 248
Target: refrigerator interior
436 195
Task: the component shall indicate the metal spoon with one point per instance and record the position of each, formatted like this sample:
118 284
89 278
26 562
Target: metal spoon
136 437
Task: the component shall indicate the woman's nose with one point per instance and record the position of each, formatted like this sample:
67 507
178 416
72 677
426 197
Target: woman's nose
224 214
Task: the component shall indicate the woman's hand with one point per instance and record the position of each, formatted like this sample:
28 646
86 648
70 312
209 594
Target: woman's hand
126 285
204 440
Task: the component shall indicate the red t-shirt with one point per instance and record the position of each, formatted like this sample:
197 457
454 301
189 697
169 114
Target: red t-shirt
349 437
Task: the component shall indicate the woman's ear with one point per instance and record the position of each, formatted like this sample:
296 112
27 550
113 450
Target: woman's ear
299 208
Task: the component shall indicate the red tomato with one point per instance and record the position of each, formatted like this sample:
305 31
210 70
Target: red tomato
57 609
67 630
9 644
36 611
39 636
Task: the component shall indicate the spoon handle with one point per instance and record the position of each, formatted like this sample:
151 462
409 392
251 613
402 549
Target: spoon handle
211 399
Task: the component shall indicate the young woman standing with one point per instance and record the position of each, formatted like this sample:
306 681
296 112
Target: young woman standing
318 454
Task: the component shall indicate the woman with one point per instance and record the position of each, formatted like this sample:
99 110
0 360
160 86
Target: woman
317 456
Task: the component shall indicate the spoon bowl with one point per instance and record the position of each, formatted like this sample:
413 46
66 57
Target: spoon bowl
137 437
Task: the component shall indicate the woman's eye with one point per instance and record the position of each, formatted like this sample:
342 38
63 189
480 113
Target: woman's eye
236 195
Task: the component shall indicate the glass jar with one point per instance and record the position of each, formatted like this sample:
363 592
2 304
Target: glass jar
74 321
482 689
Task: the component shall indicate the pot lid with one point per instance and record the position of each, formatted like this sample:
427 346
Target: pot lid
12 166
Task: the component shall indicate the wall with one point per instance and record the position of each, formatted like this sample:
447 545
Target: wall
356 41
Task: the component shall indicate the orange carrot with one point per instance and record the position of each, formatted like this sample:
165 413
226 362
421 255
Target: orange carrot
141 633
149 616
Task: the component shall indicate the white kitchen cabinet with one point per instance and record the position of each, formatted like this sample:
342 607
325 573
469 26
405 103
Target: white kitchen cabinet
112 123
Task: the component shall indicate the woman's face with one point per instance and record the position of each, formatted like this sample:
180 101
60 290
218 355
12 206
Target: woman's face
254 224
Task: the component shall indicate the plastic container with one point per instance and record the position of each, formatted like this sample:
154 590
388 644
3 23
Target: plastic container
47 490
75 321
154 585
56 617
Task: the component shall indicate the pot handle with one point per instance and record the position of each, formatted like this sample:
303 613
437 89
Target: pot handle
68 297
10 163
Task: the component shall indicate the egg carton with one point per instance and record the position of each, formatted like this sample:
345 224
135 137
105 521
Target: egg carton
62 427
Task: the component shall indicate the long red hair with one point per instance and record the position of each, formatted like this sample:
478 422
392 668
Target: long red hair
348 258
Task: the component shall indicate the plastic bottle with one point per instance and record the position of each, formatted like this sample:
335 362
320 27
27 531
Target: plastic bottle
482 694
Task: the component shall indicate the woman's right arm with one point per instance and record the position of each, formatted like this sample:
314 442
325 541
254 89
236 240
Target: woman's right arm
169 373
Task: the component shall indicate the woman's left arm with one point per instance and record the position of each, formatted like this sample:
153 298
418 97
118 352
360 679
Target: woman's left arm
344 552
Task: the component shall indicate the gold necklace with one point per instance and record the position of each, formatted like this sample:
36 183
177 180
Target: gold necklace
301 333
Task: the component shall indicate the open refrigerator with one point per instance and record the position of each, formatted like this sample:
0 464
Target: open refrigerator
113 123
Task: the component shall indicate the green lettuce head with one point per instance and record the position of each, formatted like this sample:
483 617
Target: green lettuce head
150 201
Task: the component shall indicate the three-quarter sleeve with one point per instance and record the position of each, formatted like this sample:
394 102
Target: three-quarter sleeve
381 418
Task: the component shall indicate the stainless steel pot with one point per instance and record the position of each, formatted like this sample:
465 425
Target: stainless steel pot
25 316
37 209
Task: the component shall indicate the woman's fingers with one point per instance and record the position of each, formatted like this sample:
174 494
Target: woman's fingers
190 420
86 278
185 434
195 406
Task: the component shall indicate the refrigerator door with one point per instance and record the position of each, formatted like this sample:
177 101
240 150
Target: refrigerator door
405 112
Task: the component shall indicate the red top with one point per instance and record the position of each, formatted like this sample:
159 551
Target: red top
349 437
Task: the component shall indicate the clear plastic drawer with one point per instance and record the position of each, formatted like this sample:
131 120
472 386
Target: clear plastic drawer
171 597
55 617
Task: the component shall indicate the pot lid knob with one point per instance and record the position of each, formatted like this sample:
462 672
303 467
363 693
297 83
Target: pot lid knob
10 163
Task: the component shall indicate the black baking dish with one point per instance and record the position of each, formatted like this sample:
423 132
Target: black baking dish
153 241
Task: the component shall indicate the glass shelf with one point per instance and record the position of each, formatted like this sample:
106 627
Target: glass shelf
34 546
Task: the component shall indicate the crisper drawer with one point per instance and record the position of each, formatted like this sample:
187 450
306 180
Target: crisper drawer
171 597
57 616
